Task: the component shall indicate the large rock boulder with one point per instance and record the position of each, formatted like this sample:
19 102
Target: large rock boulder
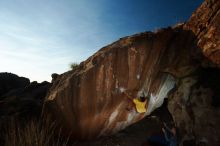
89 102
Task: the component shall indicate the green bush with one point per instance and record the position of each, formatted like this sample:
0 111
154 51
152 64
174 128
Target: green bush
74 65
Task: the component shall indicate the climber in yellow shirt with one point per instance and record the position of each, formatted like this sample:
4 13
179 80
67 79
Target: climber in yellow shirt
140 103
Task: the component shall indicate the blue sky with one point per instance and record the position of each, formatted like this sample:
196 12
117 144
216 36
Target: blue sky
41 37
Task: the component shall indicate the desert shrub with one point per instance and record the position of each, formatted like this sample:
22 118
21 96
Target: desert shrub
74 65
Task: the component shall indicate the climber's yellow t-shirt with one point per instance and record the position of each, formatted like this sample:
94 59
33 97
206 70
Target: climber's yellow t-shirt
140 106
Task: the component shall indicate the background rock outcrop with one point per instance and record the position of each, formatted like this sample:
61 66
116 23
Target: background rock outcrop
20 99
9 81
24 102
20 103
204 23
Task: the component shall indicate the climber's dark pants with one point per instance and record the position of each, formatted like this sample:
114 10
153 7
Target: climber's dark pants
157 140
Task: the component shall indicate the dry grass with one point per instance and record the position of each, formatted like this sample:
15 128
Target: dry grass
33 133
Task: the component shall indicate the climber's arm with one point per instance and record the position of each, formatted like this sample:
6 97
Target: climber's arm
128 96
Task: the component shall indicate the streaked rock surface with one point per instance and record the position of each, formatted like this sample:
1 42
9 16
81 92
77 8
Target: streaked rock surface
89 102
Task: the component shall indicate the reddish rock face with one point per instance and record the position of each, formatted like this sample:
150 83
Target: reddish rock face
89 101
204 23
